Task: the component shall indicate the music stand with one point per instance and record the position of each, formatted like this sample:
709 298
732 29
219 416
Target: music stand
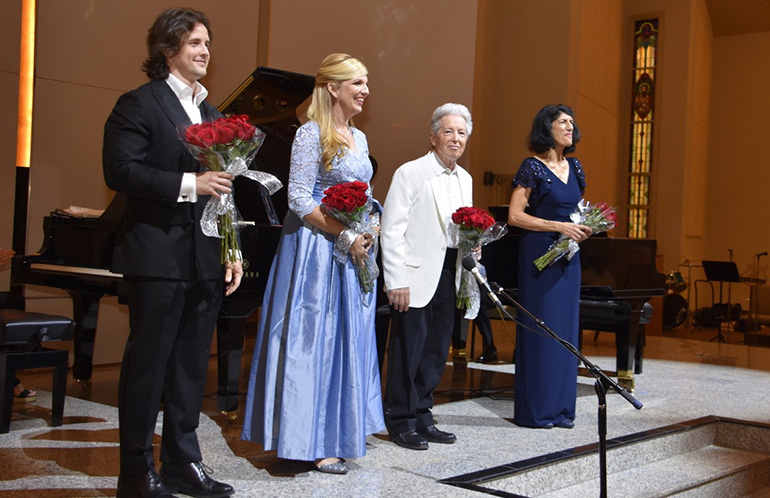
722 272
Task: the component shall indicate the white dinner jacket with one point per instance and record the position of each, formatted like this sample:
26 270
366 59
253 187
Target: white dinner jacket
413 231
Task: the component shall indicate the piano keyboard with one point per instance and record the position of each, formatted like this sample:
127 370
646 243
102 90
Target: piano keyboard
81 270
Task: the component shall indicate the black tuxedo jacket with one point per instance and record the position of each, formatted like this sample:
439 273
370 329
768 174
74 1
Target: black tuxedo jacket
144 160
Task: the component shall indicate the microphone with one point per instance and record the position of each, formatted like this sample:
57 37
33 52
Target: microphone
469 263
762 254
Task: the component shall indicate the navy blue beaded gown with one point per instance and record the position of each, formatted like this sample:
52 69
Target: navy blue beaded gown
546 373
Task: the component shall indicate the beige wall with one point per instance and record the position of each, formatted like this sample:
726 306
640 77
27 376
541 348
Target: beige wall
738 168
419 56
598 105
519 68
563 51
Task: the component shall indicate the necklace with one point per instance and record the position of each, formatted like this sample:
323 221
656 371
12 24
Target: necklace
343 130
347 135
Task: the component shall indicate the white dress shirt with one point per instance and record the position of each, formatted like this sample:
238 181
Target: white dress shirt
191 99
451 182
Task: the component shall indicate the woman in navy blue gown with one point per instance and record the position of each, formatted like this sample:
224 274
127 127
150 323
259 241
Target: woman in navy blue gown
547 189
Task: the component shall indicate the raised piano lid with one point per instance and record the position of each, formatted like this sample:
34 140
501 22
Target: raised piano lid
270 97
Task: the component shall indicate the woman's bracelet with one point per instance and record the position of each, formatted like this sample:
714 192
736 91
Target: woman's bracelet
344 240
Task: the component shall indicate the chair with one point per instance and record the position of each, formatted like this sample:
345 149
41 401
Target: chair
21 336
723 272
759 311
493 314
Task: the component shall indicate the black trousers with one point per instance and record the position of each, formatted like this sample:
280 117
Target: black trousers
417 353
165 360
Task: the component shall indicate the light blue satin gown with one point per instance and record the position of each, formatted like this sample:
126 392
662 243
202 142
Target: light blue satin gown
314 387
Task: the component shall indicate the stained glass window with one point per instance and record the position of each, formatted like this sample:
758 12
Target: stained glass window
642 120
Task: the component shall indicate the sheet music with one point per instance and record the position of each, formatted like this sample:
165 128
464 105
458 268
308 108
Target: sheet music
79 212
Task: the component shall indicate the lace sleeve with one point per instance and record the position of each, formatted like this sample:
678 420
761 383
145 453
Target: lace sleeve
532 175
303 169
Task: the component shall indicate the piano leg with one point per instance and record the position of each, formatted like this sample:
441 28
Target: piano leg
640 340
85 312
230 334
625 345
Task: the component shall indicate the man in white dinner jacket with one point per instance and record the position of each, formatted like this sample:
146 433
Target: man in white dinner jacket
419 270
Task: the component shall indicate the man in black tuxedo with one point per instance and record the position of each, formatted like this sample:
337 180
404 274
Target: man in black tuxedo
173 271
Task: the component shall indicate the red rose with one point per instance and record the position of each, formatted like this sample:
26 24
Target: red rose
471 217
227 132
332 191
245 131
190 135
333 203
347 197
201 135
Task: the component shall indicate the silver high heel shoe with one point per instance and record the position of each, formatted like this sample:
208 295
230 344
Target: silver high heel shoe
337 467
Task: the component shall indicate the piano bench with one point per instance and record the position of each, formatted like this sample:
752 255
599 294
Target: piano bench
21 334
22 327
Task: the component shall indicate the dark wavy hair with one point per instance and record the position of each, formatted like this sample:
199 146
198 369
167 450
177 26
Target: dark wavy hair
540 138
165 38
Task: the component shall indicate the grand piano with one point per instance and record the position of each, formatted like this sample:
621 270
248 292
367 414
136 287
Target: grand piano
618 279
76 253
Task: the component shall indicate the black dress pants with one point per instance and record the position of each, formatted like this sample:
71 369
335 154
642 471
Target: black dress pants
417 354
165 360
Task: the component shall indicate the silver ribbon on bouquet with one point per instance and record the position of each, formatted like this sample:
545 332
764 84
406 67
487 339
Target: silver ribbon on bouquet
466 287
367 271
226 202
577 217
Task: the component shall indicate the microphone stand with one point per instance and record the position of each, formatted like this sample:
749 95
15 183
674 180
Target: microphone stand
602 384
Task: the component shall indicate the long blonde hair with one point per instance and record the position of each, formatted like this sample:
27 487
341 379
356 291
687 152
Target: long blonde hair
334 69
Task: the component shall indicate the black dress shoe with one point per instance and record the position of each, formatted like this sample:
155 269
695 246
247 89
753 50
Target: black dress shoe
192 479
566 424
411 440
432 434
488 356
147 485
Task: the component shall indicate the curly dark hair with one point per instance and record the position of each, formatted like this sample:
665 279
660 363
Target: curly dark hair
165 38
540 138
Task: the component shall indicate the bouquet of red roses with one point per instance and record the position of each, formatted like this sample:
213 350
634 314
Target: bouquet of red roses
350 204
227 144
471 227
599 218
